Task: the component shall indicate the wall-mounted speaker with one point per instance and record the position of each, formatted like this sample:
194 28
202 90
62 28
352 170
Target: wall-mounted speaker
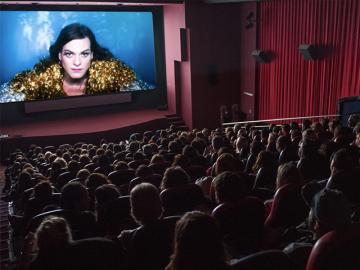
310 51
261 56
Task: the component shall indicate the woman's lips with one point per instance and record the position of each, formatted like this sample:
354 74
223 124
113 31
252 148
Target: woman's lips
76 69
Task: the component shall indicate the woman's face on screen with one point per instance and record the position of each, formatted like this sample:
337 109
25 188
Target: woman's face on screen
75 57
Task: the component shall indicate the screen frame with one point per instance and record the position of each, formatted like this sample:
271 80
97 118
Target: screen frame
159 42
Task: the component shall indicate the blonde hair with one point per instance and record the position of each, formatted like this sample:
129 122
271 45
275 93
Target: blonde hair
53 232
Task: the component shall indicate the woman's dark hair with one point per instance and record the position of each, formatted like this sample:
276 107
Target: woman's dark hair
197 244
78 31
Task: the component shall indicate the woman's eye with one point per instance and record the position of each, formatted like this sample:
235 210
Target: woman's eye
85 54
68 54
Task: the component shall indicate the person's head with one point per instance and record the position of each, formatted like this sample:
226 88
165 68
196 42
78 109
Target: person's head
43 190
174 177
265 159
285 129
157 159
145 203
75 197
83 174
75 48
181 160
226 162
288 173
217 142
308 148
106 193
143 171
229 187
282 142
342 160
52 233
73 166
95 180
330 211
241 143
353 120
309 134
197 243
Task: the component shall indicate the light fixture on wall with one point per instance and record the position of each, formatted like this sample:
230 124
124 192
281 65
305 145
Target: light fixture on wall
250 20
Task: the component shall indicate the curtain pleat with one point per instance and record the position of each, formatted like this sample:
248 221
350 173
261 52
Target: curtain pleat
290 86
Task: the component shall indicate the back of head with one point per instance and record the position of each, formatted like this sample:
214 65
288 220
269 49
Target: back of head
174 177
217 142
74 196
95 180
73 166
43 190
288 173
282 142
143 171
106 193
331 209
198 243
342 160
145 203
83 174
52 233
181 160
265 159
226 162
229 187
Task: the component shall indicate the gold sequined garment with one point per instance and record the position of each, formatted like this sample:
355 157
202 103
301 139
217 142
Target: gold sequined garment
45 80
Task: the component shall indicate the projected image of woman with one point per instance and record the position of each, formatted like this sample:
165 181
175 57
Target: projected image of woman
77 65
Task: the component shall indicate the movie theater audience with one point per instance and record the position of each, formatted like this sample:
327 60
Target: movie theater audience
285 186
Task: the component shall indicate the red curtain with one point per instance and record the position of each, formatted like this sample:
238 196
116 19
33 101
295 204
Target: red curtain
290 86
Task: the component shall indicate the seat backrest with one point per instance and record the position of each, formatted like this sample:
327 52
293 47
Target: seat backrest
82 223
154 179
338 249
241 224
265 260
95 253
288 207
152 244
115 216
196 171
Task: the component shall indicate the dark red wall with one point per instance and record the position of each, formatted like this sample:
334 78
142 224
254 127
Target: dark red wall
220 69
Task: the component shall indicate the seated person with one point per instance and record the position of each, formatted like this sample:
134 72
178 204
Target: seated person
198 244
149 245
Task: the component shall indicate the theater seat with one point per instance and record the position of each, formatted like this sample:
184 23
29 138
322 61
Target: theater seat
265 260
242 225
288 208
337 250
95 253
154 179
151 245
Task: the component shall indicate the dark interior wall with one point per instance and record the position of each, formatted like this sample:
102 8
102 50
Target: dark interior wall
216 59
174 20
247 64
